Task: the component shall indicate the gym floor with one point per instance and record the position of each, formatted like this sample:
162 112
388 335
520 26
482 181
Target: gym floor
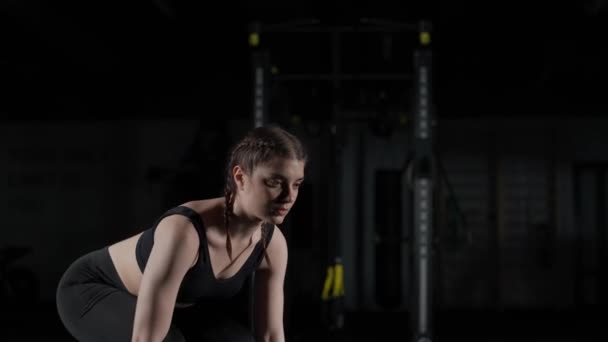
41 324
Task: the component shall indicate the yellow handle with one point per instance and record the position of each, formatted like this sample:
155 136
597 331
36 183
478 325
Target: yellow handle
254 39
425 38
334 282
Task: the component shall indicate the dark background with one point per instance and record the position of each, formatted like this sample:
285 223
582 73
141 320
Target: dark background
148 58
529 77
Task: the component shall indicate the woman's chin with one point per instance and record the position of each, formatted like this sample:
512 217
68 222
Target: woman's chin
276 219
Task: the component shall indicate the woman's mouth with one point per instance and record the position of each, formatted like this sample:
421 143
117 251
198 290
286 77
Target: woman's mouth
281 211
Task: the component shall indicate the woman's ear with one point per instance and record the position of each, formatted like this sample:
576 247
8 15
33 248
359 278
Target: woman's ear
239 177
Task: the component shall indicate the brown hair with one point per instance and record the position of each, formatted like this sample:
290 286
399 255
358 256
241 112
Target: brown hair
260 145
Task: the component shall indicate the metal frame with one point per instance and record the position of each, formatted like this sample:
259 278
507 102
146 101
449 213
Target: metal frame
423 133
423 185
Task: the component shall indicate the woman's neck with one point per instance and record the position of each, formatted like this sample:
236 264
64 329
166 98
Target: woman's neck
241 226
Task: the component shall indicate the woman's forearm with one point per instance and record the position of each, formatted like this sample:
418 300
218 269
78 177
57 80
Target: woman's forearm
149 332
152 322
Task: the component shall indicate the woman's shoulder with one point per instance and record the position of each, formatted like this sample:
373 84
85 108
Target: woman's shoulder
278 243
275 254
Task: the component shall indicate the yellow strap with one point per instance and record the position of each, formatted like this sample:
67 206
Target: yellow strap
338 281
328 281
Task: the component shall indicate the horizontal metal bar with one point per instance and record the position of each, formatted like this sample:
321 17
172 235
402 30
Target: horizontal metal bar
342 77
314 25
337 29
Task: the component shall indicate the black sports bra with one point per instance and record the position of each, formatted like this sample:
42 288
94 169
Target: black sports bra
200 283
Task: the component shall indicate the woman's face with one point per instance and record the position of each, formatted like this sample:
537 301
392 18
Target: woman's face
271 191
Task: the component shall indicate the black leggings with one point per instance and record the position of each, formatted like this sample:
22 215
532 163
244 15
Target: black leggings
94 305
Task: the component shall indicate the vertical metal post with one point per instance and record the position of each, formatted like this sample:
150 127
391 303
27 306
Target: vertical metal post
336 303
600 232
260 62
261 77
335 160
423 191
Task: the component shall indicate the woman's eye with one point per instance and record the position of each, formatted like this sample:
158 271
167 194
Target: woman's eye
273 183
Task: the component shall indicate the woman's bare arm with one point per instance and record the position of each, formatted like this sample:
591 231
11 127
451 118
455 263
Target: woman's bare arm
175 246
269 295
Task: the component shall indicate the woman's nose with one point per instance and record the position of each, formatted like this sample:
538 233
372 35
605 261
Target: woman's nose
287 195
